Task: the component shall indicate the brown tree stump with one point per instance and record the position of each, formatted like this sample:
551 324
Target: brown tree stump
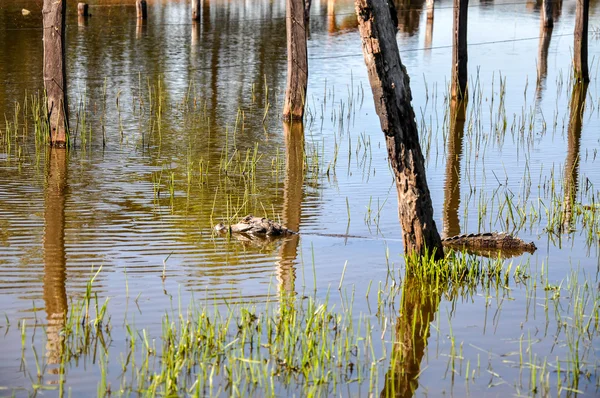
391 92
196 10
580 49
297 66
55 78
141 9
459 50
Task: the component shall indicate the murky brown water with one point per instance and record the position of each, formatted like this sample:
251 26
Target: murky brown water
188 104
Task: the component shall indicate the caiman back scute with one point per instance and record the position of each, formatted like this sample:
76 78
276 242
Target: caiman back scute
490 240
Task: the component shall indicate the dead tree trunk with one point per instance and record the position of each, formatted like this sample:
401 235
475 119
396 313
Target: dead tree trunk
297 67
580 51
548 14
55 78
82 10
392 95
307 4
459 50
141 9
195 10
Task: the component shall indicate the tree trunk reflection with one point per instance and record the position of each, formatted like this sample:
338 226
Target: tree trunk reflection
55 294
292 202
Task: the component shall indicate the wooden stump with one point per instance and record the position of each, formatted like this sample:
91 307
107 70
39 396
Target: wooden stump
548 13
580 49
391 92
459 50
429 25
55 78
196 10
82 10
141 9
297 65
307 4
430 9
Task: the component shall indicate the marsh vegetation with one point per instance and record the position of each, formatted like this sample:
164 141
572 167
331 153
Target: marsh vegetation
113 283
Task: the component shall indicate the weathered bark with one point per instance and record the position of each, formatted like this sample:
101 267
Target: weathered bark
141 9
297 66
196 10
55 294
55 75
419 305
82 9
459 50
548 13
580 50
391 91
572 163
292 202
452 185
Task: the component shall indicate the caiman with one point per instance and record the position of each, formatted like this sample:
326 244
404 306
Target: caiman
487 244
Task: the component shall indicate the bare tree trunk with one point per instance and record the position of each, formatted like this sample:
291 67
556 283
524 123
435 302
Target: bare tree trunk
307 4
580 51
391 91
459 50
297 67
430 9
452 185
55 77
141 9
82 10
548 13
196 10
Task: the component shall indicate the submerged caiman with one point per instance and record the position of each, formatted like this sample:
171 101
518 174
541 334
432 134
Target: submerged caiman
487 244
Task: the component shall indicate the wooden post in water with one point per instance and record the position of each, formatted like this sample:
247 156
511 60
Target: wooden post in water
55 75
429 24
307 4
82 10
141 9
548 13
196 10
391 93
580 50
430 8
297 65
459 50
